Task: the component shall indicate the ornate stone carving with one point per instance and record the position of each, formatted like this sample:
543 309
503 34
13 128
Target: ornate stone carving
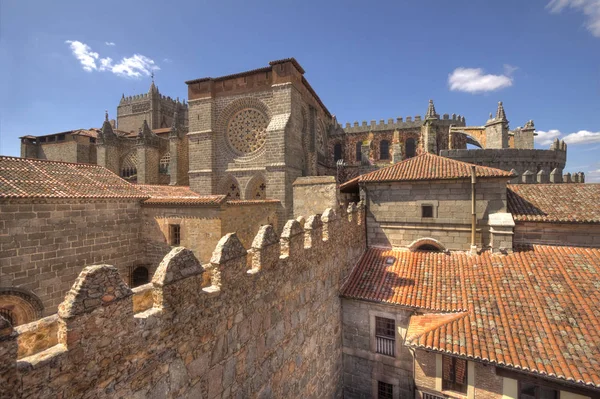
246 130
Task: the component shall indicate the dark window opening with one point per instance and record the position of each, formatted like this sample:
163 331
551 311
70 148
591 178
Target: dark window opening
426 211
139 276
61 137
128 172
428 248
42 139
52 138
175 234
92 140
359 151
384 149
410 148
385 336
8 315
454 374
337 152
384 390
529 390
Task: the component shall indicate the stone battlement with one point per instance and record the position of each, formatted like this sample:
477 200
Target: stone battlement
147 96
401 123
241 325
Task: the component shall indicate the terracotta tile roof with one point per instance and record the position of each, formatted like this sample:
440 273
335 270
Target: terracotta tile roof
565 203
34 178
430 167
162 130
536 310
253 202
177 195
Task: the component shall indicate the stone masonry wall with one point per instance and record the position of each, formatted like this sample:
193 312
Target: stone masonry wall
44 243
245 219
363 366
575 234
312 194
394 212
218 330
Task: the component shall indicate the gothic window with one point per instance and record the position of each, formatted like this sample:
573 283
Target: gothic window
337 152
384 149
410 148
129 166
359 151
257 189
247 130
163 164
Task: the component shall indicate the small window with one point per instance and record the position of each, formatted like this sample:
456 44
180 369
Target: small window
42 139
385 336
51 138
61 137
384 390
454 374
410 148
528 390
92 140
359 151
426 211
175 234
337 152
384 149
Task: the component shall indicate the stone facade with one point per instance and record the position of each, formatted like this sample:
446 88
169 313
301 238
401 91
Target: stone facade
394 217
71 146
222 329
46 242
363 366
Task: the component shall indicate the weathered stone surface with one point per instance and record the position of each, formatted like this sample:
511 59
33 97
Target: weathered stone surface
180 263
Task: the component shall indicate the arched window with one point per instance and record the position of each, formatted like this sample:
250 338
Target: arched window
337 152
129 166
163 164
359 151
428 248
139 276
384 149
19 306
410 148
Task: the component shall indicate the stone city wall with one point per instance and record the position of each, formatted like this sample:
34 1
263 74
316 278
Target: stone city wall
225 329
44 243
575 234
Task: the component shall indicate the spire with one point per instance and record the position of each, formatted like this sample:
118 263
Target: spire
431 114
153 87
500 115
146 136
106 133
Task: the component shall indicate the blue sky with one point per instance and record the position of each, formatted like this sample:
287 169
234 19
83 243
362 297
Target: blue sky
366 60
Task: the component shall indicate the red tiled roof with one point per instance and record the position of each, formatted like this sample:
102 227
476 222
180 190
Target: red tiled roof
34 178
536 310
565 203
430 167
177 195
252 202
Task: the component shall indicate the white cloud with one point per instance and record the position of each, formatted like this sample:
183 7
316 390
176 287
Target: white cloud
135 66
590 8
546 138
84 54
110 43
582 137
167 60
473 80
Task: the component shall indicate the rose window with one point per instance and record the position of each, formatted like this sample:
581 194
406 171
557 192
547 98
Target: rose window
247 130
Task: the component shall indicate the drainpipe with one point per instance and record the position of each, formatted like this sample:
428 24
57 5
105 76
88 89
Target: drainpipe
473 212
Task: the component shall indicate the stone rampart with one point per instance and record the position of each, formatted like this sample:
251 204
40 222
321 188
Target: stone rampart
520 160
258 323
401 123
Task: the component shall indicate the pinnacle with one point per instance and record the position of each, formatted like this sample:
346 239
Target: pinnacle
431 114
500 114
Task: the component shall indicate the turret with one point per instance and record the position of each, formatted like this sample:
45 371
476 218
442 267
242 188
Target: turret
429 131
524 136
496 129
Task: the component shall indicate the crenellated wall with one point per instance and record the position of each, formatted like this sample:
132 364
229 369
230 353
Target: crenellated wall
259 323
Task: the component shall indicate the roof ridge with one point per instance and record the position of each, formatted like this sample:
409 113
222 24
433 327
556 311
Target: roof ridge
437 322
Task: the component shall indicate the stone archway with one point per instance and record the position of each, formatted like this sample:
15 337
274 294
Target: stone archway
19 305
256 189
230 187
426 244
